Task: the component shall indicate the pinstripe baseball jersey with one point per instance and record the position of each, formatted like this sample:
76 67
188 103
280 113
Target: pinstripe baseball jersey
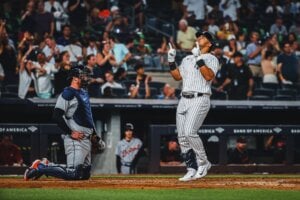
192 79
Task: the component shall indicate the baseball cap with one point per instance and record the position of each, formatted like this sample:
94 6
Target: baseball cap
114 8
129 126
208 36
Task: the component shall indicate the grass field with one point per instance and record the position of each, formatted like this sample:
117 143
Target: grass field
119 190
134 194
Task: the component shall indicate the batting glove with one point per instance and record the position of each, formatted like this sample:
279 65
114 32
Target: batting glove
171 54
199 63
196 50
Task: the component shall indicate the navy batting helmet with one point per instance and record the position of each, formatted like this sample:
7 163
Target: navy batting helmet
208 36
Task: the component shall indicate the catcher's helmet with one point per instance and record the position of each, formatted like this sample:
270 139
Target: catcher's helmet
80 72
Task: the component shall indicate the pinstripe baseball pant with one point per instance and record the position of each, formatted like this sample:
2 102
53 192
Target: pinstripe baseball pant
189 118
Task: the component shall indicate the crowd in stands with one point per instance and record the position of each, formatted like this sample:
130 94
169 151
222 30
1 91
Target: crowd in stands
258 46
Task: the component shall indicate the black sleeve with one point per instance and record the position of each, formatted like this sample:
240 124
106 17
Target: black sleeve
118 163
58 118
137 156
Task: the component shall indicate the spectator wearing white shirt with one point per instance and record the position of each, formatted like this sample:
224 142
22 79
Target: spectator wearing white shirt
75 51
91 48
52 50
60 16
230 8
212 27
110 82
194 10
274 8
25 79
42 73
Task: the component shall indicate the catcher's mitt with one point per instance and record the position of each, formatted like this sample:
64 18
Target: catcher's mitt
98 145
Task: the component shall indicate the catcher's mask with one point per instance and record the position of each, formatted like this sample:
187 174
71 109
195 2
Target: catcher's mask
80 72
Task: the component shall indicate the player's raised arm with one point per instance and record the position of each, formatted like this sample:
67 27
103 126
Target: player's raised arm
171 59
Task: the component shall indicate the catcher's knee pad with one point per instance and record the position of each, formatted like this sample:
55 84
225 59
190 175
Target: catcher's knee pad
82 172
86 172
190 159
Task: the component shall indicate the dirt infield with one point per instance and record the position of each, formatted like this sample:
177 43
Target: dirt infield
151 182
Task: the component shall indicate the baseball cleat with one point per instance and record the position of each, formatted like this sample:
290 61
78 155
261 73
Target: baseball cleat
32 172
202 170
189 175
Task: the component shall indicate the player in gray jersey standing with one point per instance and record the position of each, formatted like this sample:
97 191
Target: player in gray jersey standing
196 72
128 151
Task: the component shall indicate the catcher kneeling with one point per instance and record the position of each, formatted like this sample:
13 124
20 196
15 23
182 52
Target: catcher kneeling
73 115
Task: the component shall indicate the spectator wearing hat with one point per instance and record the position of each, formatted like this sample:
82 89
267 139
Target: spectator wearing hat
239 81
118 24
232 47
128 151
239 155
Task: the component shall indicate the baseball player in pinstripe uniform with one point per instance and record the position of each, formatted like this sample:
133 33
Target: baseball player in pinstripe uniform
73 115
128 151
196 72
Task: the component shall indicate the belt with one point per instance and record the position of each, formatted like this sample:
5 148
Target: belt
191 95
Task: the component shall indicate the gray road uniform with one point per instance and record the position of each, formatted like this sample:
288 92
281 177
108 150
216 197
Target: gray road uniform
78 117
72 112
193 107
127 152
